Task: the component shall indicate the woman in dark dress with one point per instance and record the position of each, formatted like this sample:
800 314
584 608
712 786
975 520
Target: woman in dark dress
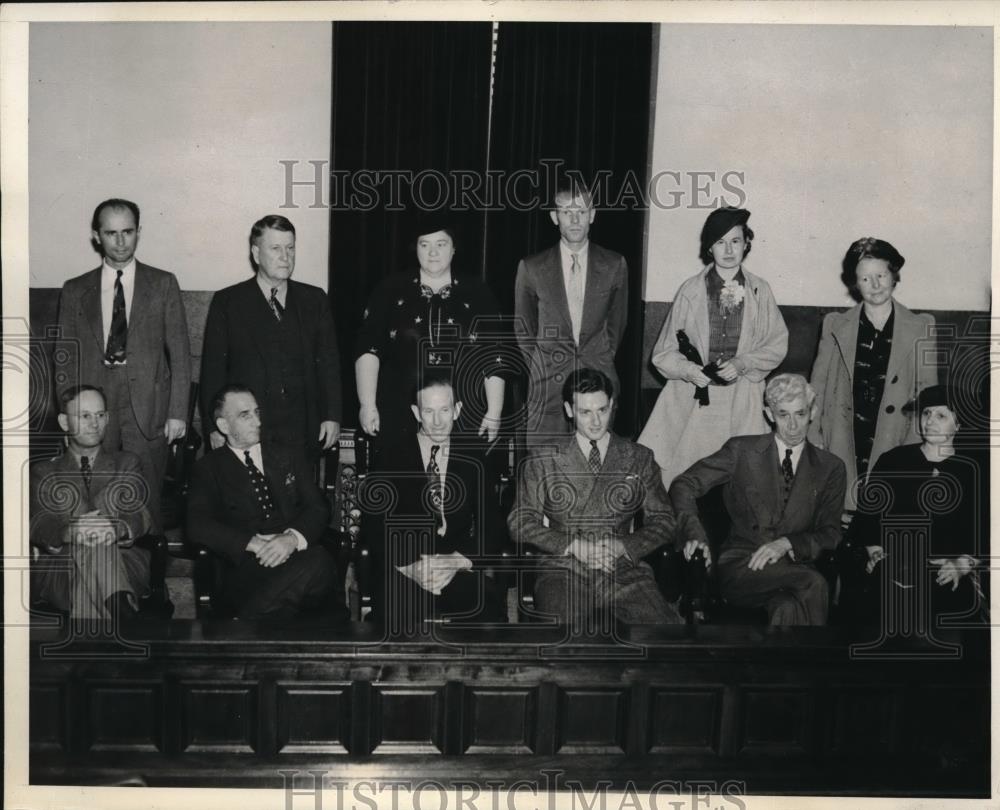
429 318
935 487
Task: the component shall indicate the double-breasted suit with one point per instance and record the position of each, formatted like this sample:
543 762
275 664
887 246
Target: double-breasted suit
156 378
749 467
71 576
911 368
223 515
241 348
545 330
559 497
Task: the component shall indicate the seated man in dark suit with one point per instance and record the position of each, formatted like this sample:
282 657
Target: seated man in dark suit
258 510
578 504
440 521
784 497
88 506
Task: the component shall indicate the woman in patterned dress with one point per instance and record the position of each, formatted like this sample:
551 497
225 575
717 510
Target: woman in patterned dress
872 361
729 317
429 318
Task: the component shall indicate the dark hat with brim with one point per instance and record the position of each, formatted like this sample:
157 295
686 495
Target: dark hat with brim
720 222
959 401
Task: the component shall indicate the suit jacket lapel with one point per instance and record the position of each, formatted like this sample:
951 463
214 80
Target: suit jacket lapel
846 336
576 468
142 292
699 305
801 492
592 304
91 304
553 276
769 475
248 304
905 334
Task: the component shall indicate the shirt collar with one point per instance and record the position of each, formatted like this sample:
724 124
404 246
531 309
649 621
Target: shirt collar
566 252
255 454
266 289
77 456
602 444
426 443
109 273
796 451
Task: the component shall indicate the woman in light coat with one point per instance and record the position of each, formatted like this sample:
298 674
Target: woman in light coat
730 318
872 360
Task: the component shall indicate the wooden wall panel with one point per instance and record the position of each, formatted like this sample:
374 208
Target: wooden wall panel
407 719
592 720
47 716
314 717
684 719
219 717
500 720
776 721
124 716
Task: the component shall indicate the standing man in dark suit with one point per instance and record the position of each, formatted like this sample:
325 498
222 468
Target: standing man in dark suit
571 301
88 507
128 321
428 550
582 504
277 337
255 506
784 496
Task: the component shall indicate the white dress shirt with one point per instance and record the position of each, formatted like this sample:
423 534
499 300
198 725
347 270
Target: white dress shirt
108 278
602 445
796 452
575 288
281 294
426 443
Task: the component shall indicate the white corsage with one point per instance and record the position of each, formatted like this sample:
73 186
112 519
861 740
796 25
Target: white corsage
731 296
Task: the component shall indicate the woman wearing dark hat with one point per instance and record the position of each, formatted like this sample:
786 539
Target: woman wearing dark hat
422 319
725 318
871 361
934 487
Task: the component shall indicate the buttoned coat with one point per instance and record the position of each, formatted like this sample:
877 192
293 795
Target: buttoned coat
911 369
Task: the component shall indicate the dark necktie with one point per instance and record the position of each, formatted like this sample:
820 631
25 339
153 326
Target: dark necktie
594 459
276 307
787 472
86 471
434 473
261 490
118 335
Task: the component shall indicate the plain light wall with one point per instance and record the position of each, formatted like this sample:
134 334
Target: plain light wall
189 120
841 132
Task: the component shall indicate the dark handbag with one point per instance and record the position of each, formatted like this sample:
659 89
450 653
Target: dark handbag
711 370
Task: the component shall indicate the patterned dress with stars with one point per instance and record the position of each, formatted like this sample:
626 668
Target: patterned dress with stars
409 327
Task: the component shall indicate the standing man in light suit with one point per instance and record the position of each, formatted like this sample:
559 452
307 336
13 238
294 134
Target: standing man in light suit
571 302
129 323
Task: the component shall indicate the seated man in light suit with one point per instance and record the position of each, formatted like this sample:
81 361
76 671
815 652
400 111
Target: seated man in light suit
88 506
258 510
578 503
784 497
428 548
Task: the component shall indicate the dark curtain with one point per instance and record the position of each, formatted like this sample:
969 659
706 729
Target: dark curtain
407 97
576 95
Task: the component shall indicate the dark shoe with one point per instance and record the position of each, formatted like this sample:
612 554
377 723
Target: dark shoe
119 607
157 605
